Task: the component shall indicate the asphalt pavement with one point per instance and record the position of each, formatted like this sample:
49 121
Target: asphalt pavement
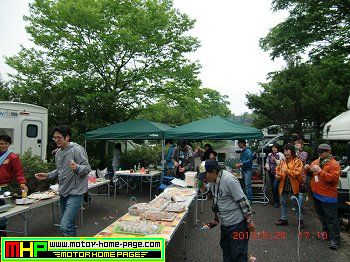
269 243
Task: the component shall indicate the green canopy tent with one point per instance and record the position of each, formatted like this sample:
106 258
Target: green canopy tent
219 128
214 128
132 129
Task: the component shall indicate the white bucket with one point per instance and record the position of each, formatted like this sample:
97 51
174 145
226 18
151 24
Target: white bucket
190 178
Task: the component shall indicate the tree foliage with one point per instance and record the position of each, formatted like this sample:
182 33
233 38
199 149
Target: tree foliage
305 95
4 90
302 97
99 61
201 103
319 28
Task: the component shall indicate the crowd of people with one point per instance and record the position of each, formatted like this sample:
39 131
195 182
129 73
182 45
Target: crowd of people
290 173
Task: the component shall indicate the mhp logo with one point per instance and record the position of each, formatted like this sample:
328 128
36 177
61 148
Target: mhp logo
24 249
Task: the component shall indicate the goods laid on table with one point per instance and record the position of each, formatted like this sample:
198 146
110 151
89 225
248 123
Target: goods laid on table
158 204
24 201
176 207
187 192
160 216
175 192
42 195
178 198
139 226
138 209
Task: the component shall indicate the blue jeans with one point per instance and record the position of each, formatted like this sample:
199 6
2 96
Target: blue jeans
69 209
234 242
274 185
247 177
284 209
301 201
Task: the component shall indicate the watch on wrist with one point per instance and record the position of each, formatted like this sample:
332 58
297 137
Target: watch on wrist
249 220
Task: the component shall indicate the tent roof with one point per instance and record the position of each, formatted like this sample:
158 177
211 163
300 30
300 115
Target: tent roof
132 129
216 128
338 128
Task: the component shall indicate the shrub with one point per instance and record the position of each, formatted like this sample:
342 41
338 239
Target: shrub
33 164
145 155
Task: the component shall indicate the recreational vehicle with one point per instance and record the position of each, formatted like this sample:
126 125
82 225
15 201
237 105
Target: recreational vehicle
27 125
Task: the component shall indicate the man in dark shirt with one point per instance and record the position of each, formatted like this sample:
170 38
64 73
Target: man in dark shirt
183 159
246 164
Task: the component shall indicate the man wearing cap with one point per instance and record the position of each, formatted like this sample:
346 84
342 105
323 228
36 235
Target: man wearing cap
231 207
325 172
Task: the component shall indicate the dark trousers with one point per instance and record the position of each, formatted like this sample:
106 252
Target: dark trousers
328 215
233 244
274 186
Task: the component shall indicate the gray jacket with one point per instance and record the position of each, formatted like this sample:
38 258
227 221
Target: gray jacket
71 182
184 156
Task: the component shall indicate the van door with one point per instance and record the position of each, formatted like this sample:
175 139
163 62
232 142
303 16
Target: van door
31 135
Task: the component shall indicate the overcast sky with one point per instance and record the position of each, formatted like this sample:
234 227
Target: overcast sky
229 31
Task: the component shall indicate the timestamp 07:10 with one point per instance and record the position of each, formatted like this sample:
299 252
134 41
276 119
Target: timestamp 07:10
312 235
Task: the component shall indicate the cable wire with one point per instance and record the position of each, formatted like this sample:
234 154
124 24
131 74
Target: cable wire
299 218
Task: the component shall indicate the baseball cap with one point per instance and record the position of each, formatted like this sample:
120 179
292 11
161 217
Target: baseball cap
207 166
324 147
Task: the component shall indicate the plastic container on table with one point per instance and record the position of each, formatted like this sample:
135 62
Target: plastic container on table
190 178
138 209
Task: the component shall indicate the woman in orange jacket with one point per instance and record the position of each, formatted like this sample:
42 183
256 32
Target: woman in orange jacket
289 173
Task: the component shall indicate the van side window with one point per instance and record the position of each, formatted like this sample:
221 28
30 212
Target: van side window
32 131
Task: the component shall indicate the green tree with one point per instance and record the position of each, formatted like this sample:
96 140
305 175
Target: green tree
180 109
318 28
4 90
99 61
306 95
246 118
302 97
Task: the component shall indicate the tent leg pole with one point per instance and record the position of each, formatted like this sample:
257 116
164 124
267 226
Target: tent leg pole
85 143
163 157
263 172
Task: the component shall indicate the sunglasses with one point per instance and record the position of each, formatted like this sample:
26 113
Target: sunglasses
320 151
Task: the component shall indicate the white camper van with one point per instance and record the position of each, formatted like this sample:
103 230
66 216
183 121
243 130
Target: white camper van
338 129
26 124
